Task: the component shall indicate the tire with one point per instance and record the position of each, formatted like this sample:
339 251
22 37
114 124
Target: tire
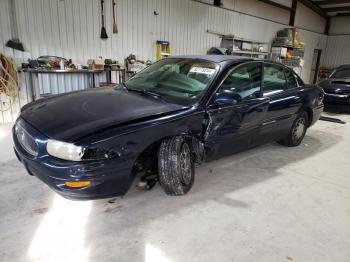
297 132
176 166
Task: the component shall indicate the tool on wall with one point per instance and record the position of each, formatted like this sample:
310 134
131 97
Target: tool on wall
103 28
163 49
14 42
115 27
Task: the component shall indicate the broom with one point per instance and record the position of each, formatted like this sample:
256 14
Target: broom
115 27
103 28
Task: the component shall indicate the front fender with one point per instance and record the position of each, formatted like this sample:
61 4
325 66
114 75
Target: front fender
131 141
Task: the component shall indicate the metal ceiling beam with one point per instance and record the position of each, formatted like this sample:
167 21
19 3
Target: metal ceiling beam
337 9
332 2
269 2
341 14
314 7
292 12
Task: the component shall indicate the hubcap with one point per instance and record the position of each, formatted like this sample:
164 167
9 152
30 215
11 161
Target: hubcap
185 164
299 128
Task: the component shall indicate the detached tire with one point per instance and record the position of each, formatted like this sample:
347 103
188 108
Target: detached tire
297 132
176 167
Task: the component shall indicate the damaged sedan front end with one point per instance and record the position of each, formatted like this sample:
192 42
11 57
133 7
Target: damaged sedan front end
166 119
90 144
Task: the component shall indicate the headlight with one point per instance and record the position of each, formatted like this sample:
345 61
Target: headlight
68 151
64 150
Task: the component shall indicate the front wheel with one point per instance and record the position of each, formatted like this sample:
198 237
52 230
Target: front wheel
297 132
176 167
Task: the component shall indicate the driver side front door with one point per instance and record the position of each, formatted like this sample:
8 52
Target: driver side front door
236 111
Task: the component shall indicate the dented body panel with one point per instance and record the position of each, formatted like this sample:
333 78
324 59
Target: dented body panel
233 127
133 126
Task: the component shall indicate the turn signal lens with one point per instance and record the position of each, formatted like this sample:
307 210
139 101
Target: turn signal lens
77 184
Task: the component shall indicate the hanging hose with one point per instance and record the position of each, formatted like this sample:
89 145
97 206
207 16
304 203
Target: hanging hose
9 81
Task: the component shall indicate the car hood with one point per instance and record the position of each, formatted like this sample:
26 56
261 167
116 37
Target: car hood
336 84
70 116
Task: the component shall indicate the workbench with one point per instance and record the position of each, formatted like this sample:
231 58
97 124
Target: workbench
33 74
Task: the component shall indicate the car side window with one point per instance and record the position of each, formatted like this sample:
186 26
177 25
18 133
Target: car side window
274 79
291 81
244 81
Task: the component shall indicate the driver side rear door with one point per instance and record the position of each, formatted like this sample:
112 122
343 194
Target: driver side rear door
236 111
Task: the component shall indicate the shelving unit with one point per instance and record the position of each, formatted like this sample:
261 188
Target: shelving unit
290 56
243 47
287 49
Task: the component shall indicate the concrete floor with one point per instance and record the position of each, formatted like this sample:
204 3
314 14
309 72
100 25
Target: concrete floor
270 204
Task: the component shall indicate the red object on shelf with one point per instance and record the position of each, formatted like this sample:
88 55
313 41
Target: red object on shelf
105 84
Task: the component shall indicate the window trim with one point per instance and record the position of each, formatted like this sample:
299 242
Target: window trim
293 74
298 79
228 73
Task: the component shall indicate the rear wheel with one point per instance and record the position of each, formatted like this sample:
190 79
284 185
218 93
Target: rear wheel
176 167
297 132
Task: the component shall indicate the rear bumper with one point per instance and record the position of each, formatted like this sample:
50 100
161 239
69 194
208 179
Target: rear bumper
317 111
337 99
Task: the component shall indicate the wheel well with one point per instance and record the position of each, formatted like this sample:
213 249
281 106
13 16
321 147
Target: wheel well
148 158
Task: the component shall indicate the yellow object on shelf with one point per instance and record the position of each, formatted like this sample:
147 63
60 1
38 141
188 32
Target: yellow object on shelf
163 49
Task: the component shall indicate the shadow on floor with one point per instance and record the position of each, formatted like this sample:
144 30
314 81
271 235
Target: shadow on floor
119 225
215 181
337 109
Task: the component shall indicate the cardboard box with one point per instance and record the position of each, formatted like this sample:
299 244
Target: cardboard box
96 64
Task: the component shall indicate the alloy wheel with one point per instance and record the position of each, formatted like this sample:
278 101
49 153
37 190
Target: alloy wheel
299 129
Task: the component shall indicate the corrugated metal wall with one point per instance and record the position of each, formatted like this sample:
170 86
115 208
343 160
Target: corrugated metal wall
71 28
337 51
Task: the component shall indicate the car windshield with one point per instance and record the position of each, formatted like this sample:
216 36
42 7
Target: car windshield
341 73
175 80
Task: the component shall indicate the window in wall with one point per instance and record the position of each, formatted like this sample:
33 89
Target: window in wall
274 79
244 81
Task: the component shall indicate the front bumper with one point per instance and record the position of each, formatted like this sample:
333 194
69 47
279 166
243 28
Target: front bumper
337 99
108 177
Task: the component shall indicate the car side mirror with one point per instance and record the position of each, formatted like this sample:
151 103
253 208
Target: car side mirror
227 98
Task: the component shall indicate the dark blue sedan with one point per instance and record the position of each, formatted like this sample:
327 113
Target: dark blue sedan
176 113
337 86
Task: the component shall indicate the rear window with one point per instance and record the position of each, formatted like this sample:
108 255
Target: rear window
341 73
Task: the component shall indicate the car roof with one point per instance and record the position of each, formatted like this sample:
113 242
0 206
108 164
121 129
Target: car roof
216 58
343 66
